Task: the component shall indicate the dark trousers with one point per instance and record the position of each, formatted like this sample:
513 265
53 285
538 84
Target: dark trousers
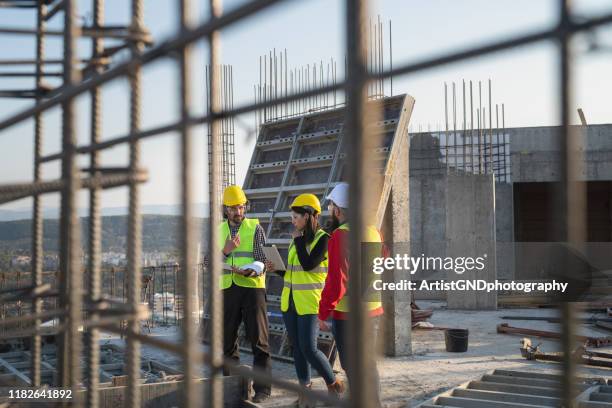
248 305
303 331
341 333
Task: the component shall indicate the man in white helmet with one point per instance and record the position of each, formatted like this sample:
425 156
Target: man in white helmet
334 299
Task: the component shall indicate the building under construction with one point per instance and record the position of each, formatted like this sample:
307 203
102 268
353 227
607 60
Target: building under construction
534 203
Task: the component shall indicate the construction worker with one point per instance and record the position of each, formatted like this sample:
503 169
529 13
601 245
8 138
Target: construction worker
303 284
244 291
334 299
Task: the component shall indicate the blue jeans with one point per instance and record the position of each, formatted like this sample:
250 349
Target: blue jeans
303 331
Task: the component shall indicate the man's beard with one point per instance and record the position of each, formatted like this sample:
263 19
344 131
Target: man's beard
332 223
237 219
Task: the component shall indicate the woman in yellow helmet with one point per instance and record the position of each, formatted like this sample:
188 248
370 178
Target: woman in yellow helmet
303 284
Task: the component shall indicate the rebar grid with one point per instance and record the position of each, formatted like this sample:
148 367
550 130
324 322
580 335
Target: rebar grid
355 84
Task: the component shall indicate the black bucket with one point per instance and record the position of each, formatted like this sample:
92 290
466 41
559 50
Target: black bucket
456 340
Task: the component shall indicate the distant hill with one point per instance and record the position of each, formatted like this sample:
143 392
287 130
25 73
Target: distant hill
159 233
25 213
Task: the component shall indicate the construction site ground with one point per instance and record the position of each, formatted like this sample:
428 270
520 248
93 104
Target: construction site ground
407 381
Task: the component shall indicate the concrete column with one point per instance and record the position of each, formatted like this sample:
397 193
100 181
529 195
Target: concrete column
397 318
470 228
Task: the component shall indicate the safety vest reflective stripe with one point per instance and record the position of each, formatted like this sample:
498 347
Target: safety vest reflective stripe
318 269
237 254
304 286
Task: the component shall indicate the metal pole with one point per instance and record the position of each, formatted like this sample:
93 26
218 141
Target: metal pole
134 242
215 398
363 390
37 221
95 223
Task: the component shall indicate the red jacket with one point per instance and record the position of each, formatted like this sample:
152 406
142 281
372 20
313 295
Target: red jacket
337 277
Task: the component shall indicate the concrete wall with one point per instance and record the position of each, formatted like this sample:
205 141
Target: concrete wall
504 230
535 156
453 214
428 219
470 230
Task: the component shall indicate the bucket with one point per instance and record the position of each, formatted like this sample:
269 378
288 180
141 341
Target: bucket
456 340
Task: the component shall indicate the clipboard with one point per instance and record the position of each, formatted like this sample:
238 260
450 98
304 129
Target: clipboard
271 253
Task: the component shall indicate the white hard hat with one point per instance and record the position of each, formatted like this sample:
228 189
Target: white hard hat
340 195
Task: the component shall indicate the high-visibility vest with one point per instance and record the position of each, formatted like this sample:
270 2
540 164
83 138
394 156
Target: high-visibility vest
374 299
305 286
242 255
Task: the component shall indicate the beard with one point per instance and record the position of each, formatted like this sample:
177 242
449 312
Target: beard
332 223
237 219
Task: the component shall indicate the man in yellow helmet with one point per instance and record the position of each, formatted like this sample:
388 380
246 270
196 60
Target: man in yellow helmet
244 290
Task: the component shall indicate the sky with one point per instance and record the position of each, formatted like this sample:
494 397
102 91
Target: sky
524 79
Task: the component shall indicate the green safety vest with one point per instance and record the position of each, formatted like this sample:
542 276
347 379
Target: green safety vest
372 235
242 255
305 286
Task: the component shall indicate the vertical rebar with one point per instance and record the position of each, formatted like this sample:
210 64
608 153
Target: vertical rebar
471 129
455 125
391 56
508 171
286 84
571 202
215 398
95 222
446 122
188 233
497 152
134 241
363 391
71 290
37 216
480 119
491 167
463 149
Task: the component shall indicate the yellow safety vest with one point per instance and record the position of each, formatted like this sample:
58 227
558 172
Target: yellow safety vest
372 235
305 285
242 255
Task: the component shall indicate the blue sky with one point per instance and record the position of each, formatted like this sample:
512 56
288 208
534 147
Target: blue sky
524 79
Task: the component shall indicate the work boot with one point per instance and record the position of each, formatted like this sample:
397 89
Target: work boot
305 402
336 389
260 397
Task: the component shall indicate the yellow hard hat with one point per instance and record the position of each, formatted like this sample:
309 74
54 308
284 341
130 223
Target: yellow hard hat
233 195
307 200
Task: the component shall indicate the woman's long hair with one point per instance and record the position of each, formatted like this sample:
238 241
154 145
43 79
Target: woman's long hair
312 224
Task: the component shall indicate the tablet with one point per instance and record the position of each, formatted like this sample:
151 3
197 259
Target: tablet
272 254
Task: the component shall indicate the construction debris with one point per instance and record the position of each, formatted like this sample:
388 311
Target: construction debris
581 355
588 341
